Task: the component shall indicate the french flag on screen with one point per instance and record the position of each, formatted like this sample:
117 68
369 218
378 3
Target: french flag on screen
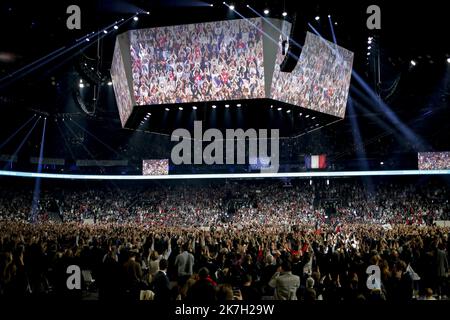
316 162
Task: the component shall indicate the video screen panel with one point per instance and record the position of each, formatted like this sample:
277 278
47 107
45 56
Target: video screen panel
321 79
120 85
155 167
213 61
434 160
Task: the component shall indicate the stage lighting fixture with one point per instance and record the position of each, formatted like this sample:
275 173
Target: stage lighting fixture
413 63
307 116
279 109
310 182
167 109
300 114
238 105
116 27
266 11
105 32
109 83
369 47
313 118
180 108
317 18
335 23
448 60
231 7
381 163
227 106
368 53
284 14
211 5
148 12
271 106
194 108
149 114
87 39
329 16
81 85
328 182
135 18
289 111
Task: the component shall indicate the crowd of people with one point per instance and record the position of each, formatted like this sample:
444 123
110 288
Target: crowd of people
320 80
238 240
198 62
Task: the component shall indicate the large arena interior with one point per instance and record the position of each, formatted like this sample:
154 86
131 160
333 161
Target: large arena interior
204 152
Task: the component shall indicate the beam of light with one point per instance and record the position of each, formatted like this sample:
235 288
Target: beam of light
360 150
275 27
32 63
66 143
226 175
93 136
262 31
55 54
332 29
23 142
98 36
37 185
15 133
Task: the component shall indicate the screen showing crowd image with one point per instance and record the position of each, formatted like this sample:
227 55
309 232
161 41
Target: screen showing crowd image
198 62
121 89
229 60
155 167
321 79
434 160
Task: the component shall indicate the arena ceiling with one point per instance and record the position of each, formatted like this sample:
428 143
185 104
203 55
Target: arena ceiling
410 31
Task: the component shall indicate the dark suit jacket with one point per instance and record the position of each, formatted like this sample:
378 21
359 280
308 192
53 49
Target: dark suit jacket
161 286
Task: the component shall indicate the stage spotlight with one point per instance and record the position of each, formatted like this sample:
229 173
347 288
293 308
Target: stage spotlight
279 109
266 11
148 12
307 116
313 118
167 109
136 18
227 106
448 60
381 163
87 39
180 108
284 14
369 47
368 53
231 7
300 114
413 63
211 5
116 27
149 114
335 23
238 105
289 111
194 108
81 80
329 16
328 182
317 18
271 106
81 85
310 182
213 106
109 83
